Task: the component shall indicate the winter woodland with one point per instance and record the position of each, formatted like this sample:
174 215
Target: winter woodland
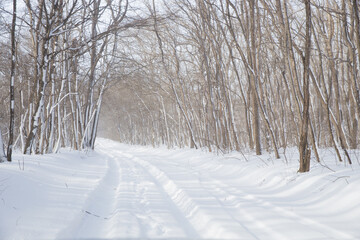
225 75
180 119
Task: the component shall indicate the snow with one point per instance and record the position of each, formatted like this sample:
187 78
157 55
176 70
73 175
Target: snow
121 191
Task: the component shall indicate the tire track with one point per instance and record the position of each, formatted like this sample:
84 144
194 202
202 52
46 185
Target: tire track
128 203
249 211
200 217
238 202
167 205
90 222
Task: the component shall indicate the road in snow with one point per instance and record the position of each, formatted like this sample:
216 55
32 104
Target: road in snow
139 192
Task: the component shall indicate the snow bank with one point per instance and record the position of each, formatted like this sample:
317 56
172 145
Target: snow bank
122 191
40 195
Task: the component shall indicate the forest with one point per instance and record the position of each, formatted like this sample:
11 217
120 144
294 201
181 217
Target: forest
221 75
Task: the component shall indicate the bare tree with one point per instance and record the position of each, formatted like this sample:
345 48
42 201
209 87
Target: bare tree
304 150
12 81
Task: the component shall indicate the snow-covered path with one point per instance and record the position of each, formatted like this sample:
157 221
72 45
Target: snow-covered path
139 192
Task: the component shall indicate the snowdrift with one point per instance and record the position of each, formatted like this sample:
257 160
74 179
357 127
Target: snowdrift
121 191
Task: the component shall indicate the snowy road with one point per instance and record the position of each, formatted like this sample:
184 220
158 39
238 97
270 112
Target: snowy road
156 193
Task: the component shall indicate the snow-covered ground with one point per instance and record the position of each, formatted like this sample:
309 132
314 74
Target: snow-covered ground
121 191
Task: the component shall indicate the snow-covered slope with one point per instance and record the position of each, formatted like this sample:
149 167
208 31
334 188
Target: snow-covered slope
122 191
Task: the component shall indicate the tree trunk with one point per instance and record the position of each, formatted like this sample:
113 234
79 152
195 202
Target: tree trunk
254 80
2 150
12 80
305 152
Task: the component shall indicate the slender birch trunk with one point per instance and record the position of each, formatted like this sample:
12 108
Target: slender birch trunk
12 81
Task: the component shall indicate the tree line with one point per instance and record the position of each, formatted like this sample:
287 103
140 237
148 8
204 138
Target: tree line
218 74
253 74
61 53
